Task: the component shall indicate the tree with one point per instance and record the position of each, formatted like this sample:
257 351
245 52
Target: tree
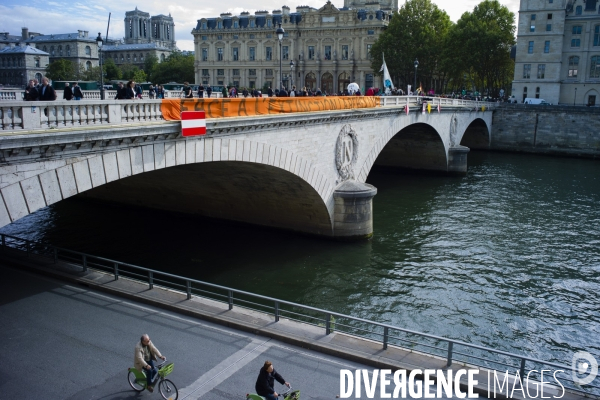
139 76
61 70
149 64
416 31
111 70
176 68
479 45
92 74
128 71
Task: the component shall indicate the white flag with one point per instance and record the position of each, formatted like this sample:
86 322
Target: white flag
387 79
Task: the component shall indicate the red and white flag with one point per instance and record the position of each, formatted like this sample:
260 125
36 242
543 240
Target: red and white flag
439 108
193 123
406 109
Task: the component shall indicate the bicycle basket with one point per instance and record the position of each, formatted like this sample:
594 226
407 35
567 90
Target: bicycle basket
295 395
166 370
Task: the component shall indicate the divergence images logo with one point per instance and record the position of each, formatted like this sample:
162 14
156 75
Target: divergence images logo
583 364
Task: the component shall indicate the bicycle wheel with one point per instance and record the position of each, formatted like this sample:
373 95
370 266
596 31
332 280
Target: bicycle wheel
168 390
134 383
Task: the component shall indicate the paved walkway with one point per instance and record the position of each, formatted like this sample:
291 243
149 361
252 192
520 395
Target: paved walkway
77 340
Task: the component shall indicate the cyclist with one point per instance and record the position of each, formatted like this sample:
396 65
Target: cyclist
144 357
266 380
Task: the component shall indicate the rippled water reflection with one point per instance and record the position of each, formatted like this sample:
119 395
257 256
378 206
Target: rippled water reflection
506 257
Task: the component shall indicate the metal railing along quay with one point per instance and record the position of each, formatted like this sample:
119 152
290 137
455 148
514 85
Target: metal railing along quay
453 351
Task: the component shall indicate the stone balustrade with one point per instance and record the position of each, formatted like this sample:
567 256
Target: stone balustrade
95 94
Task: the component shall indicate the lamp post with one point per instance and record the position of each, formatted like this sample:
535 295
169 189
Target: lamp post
575 97
99 41
280 33
291 74
416 65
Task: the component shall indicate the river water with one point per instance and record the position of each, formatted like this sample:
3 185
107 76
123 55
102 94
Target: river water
507 256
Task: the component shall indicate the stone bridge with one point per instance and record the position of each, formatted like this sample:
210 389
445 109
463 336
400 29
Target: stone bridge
304 172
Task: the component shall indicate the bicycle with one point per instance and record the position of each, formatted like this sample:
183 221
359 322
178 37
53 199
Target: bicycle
138 382
287 395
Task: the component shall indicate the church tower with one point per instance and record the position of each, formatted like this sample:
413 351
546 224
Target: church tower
163 31
137 27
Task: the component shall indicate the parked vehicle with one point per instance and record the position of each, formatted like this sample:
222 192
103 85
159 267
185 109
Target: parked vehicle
530 100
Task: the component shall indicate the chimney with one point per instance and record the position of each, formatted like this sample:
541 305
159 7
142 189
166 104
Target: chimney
79 33
85 34
25 33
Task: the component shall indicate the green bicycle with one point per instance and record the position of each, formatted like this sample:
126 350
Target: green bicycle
168 390
287 395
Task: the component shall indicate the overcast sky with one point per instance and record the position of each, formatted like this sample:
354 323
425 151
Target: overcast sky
57 16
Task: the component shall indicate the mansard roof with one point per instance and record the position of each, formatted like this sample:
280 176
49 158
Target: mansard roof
135 46
23 50
60 36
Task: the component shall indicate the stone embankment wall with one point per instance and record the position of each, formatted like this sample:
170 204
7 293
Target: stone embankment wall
559 130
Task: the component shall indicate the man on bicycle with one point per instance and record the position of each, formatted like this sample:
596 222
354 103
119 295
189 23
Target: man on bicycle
266 380
145 355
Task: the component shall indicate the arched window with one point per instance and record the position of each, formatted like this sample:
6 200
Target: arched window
122 59
162 57
327 83
52 51
88 65
142 57
45 49
573 66
130 27
60 51
128 58
88 51
68 50
134 58
343 81
310 81
595 67
38 76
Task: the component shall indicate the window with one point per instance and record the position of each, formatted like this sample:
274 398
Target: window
252 52
236 24
52 50
219 54
345 52
547 46
88 65
203 27
37 62
549 16
537 92
236 72
285 52
269 35
548 27
268 53
532 24
578 10
530 48
591 100
526 71
370 32
236 36
541 71
252 72
68 48
220 72
204 37
251 36
369 51
269 72
220 82
597 35
311 52
252 84
204 72
577 30
88 50
590 5
269 23
141 57
134 58
328 52
236 55
204 54
595 67
220 24
575 42
252 23
219 37
573 66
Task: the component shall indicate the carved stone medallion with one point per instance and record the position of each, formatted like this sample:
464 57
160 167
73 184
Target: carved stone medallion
346 152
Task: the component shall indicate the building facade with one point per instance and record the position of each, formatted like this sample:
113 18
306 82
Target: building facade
79 47
558 51
144 36
20 63
329 47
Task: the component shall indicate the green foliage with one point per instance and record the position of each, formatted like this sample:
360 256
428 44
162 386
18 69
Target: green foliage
149 64
139 76
176 68
479 45
92 74
128 71
416 31
111 71
61 70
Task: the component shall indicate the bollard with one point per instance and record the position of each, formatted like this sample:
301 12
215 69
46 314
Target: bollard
449 361
386 331
276 311
116 269
328 324
230 299
150 280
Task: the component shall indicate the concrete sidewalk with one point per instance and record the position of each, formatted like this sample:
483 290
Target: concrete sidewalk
303 335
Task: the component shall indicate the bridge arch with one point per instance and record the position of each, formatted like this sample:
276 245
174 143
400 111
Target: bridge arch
477 135
301 194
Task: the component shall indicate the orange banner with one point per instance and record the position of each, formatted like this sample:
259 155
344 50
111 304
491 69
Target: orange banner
246 107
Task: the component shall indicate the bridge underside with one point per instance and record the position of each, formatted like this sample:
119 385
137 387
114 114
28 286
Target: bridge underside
416 147
477 136
236 191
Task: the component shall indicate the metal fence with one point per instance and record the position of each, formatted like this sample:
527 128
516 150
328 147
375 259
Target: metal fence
453 351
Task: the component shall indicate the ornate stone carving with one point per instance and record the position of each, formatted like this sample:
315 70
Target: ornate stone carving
346 152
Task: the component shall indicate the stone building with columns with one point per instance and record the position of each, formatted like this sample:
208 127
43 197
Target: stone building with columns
329 47
558 52
144 35
19 63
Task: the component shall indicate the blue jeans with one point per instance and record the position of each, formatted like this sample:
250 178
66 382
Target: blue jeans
77 98
150 374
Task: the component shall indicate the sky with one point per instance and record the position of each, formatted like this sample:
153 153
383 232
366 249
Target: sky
56 16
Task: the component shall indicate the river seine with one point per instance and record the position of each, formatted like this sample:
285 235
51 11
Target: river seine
507 256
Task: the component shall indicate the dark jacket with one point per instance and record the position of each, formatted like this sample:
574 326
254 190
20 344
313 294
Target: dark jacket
265 382
47 94
121 93
129 93
77 92
67 93
31 93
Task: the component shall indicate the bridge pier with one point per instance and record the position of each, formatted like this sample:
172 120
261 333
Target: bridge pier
353 211
457 160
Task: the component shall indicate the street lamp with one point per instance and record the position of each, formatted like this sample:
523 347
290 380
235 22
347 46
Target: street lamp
280 33
99 41
292 73
416 65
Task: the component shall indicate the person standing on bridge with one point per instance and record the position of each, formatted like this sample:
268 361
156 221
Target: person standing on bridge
144 357
266 380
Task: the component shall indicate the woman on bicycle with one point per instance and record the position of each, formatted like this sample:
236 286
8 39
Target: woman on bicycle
145 355
266 380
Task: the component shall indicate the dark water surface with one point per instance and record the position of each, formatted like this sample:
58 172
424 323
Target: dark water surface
507 256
